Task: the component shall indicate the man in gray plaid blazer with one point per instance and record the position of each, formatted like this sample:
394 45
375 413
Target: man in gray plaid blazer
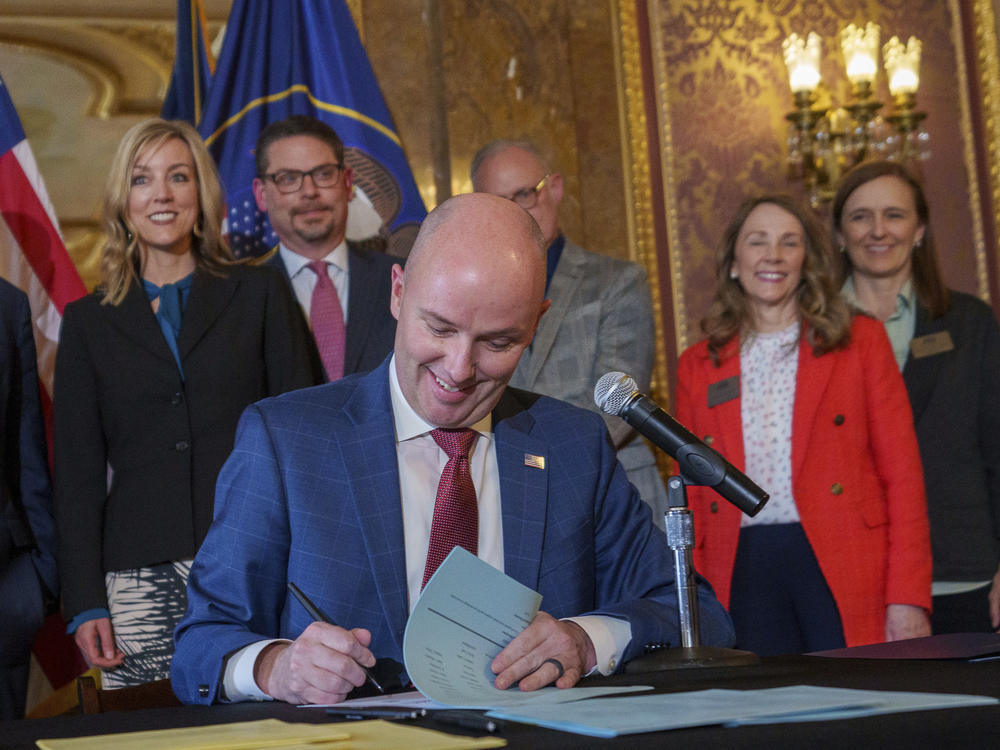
601 314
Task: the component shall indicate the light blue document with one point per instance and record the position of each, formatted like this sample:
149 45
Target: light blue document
466 614
610 717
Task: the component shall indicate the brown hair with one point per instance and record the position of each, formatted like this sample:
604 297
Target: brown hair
291 126
120 256
926 272
826 315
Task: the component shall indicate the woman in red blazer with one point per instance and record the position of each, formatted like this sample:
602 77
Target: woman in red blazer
808 401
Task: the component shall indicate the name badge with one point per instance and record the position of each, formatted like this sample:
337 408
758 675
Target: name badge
723 391
931 344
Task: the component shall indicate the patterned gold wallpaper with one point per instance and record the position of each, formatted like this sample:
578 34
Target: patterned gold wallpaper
723 93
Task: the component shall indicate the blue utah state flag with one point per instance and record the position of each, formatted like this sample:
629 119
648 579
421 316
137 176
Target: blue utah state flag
285 57
193 64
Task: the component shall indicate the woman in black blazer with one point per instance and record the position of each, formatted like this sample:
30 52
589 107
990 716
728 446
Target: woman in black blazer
948 347
153 371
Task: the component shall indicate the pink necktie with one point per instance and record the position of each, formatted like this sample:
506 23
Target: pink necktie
456 514
327 319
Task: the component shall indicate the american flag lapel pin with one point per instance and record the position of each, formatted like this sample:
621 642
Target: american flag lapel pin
535 462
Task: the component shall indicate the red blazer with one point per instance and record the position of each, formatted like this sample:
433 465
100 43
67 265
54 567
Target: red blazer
856 475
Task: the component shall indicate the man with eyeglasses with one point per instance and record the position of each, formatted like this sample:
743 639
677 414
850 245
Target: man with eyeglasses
343 290
601 316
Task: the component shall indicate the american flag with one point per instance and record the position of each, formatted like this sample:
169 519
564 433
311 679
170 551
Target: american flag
34 258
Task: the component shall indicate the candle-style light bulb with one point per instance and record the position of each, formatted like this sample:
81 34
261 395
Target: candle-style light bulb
902 63
860 48
802 61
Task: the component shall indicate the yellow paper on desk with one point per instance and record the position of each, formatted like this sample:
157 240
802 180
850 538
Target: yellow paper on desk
274 735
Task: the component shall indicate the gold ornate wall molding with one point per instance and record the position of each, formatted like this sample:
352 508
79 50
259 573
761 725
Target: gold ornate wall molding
969 146
987 31
635 167
667 158
722 93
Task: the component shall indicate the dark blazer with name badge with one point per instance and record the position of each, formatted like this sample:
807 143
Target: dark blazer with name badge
954 391
371 328
123 412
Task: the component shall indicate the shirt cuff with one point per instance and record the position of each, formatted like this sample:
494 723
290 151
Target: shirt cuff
86 616
238 683
610 637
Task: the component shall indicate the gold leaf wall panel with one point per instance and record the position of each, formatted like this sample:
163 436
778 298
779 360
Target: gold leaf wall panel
725 92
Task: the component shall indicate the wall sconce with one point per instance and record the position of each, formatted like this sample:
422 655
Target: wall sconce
824 142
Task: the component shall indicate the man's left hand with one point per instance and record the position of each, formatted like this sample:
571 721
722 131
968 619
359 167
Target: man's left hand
906 621
528 659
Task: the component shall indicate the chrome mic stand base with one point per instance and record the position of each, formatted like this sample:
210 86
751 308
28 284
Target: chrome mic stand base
680 537
685 657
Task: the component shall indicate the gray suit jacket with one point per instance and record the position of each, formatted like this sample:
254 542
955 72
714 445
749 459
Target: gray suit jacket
600 320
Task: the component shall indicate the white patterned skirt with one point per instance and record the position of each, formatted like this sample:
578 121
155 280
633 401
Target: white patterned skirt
146 604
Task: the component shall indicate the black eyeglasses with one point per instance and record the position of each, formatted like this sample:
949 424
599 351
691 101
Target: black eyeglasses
526 198
290 180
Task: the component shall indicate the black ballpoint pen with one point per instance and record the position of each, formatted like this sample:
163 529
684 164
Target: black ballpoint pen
317 614
475 721
375 712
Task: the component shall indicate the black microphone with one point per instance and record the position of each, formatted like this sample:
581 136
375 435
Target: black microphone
617 393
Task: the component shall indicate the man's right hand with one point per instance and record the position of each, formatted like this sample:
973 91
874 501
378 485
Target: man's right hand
96 641
320 666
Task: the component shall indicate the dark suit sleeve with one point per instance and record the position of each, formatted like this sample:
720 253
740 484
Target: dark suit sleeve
36 488
630 548
989 404
286 340
603 554
236 589
80 469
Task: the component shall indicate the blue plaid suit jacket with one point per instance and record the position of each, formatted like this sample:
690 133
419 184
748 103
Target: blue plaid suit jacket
311 494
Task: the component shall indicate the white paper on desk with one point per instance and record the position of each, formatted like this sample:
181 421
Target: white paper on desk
610 717
858 703
467 613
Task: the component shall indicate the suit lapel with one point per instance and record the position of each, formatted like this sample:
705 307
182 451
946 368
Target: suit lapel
209 296
810 390
921 375
523 489
562 291
359 306
373 472
134 317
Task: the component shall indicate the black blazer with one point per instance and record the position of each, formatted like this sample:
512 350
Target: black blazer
120 404
955 396
27 529
371 328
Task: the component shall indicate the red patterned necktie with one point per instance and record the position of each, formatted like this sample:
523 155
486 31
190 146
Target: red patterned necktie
456 514
327 319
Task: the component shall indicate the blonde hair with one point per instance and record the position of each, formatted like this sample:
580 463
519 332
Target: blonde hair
121 253
826 315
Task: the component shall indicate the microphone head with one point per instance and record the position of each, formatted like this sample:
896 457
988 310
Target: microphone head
613 391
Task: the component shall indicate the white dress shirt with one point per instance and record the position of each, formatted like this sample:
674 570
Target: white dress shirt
304 280
421 462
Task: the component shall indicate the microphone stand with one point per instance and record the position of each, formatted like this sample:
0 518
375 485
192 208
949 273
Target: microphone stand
680 537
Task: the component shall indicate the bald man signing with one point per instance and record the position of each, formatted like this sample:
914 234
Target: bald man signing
334 488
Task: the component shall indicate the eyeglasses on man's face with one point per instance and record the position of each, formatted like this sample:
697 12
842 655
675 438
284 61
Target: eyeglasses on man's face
290 180
527 197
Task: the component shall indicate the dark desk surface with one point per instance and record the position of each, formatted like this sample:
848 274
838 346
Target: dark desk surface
953 728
